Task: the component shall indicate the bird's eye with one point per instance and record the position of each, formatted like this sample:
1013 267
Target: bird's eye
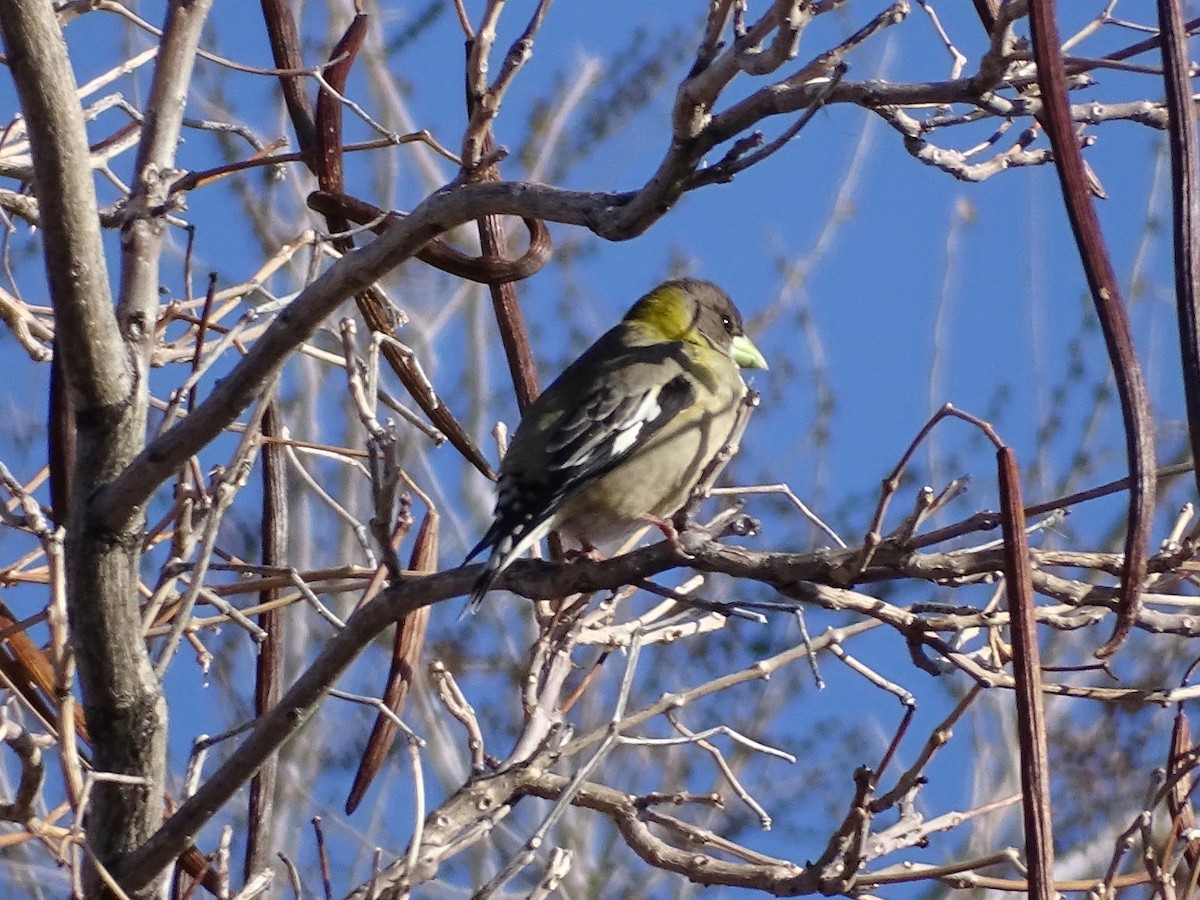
728 323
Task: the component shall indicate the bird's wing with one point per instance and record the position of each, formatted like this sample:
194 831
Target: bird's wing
608 427
604 421
584 443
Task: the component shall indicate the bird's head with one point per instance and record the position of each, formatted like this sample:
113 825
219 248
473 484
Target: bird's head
698 312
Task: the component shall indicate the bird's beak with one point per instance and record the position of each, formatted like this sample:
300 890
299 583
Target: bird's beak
745 354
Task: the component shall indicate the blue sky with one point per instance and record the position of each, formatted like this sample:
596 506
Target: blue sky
929 291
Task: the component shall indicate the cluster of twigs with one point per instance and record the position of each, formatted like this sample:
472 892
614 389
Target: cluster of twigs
82 550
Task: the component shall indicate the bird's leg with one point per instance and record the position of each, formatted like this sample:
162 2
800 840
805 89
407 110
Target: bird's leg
671 530
584 551
666 526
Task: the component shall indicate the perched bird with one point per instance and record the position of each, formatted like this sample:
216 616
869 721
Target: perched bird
624 434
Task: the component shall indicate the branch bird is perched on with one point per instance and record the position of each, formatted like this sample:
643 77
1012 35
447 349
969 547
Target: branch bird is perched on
624 434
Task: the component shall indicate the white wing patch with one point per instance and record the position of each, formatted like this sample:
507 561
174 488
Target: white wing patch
601 431
629 430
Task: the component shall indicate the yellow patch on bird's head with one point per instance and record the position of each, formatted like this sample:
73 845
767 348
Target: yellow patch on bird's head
698 313
667 309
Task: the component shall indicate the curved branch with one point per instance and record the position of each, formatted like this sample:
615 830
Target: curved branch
1114 319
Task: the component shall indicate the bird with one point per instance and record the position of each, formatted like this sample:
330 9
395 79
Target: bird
624 434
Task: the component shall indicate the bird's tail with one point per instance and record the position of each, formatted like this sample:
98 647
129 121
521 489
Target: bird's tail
494 539
496 564
506 546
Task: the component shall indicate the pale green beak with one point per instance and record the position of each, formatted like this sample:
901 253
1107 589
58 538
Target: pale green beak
745 354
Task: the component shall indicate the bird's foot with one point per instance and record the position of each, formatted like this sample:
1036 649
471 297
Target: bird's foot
585 551
672 531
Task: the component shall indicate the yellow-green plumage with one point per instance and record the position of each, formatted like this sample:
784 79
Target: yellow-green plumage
626 431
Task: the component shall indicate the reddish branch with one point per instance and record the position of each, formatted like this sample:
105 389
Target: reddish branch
1114 321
